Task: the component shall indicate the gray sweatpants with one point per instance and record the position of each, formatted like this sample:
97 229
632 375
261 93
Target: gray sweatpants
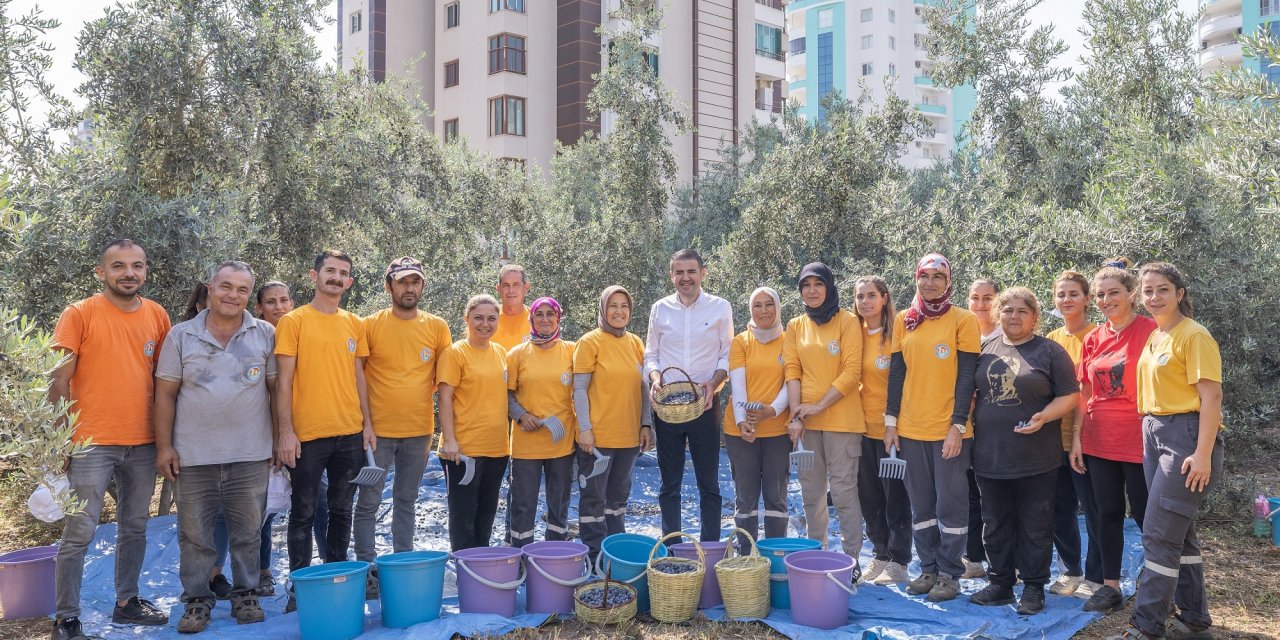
760 469
1173 571
835 469
408 456
602 504
522 498
939 492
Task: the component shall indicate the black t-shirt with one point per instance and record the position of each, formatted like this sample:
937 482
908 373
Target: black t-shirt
1015 383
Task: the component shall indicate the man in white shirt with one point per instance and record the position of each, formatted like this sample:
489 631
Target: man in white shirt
690 329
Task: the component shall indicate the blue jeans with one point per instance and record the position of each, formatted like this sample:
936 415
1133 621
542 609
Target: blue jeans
134 468
238 493
409 458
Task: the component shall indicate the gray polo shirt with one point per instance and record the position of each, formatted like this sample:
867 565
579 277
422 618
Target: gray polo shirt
224 411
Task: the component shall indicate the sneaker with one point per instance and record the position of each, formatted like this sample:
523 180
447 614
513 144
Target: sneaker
195 617
923 584
1032 601
1131 632
1087 589
1106 599
1066 585
139 611
945 589
874 570
992 596
371 585
1178 629
972 570
266 585
245 608
69 629
893 574
220 587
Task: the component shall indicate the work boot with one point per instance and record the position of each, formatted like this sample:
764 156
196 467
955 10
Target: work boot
923 584
946 588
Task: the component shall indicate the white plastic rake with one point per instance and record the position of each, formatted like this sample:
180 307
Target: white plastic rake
802 458
601 465
893 467
556 428
370 474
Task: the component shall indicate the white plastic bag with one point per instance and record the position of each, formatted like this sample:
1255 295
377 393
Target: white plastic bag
279 492
42 503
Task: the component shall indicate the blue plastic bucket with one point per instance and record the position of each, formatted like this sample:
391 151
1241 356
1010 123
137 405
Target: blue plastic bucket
776 550
412 584
331 599
626 556
1274 503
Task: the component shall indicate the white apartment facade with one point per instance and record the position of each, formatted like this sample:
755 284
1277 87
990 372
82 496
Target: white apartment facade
1222 21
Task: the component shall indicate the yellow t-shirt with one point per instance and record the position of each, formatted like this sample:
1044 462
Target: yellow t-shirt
401 372
823 357
479 381
543 382
513 331
764 366
326 345
874 387
1074 344
928 395
614 394
1171 366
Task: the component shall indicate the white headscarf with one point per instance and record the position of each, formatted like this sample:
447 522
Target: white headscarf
765 335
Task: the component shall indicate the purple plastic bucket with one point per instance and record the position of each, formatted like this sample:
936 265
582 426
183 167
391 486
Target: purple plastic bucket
715 552
776 550
487 579
554 569
821 583
26 583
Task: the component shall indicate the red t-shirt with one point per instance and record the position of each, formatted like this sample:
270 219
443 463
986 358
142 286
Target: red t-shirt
1109 365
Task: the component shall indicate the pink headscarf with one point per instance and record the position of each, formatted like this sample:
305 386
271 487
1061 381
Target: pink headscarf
922 309
535 337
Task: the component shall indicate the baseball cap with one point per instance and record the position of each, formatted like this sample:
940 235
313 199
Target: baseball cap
402 267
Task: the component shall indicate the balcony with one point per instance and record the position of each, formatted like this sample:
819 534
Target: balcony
924 81
931 109
1218 26
1227 54
771 107
773 4
772 55
796 64
1219 7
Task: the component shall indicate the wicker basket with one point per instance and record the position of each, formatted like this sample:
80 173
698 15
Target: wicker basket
616 614
678 412
744 582
674 597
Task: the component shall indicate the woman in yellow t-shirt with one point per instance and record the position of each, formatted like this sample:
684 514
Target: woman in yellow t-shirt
756 427
884 501
540 395
1180 397
472 375
931 384
607 362
822 350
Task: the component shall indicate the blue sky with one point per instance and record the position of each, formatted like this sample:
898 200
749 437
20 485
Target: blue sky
1064 15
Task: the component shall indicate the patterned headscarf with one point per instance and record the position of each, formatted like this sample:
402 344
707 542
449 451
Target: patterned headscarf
534 336
922 309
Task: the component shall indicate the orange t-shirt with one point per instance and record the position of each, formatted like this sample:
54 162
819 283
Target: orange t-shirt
325 402
479 381
512 331
114 381
764 368
542 380
401 372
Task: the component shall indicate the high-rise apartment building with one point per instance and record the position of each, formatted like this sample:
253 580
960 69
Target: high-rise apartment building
1223 20
842 45
512 76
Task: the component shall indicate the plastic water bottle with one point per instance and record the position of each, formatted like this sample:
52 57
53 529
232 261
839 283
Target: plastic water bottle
1261 524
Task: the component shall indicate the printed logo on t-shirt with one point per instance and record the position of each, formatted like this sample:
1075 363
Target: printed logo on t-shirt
425 354
834 347
780 361
566 378
882 362
1162 359
941 351
1001 374
253 373
1108 375
149 349
351 345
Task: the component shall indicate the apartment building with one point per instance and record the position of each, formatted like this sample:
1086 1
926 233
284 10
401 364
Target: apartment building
842 45
1224 20
511 77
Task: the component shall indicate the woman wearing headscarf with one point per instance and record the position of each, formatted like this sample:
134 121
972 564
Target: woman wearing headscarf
926 417
540 387
607 362
756 427
822 351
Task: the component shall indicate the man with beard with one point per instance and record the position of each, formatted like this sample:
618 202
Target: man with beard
323 409
404 345
111 341
513 318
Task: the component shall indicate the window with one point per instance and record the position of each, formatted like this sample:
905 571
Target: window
451 74
768 41
893 43
451 130
357 21
893 69
826 64
506 116
867 69
508 5
452 15
865 16
867 41
826 18
506 53
922 41
518 163
1268 7
893 16
797 45
650 58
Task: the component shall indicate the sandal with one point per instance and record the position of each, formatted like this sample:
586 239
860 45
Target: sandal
195 617
245 608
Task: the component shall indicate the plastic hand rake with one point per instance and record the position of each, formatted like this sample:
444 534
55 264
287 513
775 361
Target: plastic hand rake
601 465
893 467
802 458
370 474
469 469
556 428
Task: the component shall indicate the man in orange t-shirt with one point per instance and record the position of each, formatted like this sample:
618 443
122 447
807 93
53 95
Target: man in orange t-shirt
513 318
111 341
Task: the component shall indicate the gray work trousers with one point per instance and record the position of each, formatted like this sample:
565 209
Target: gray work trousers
760 470
834 472
408 456
1173 571
237 490
527 476
602 504
939 492
135 470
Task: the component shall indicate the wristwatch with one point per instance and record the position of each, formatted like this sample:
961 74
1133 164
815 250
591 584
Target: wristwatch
962 427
